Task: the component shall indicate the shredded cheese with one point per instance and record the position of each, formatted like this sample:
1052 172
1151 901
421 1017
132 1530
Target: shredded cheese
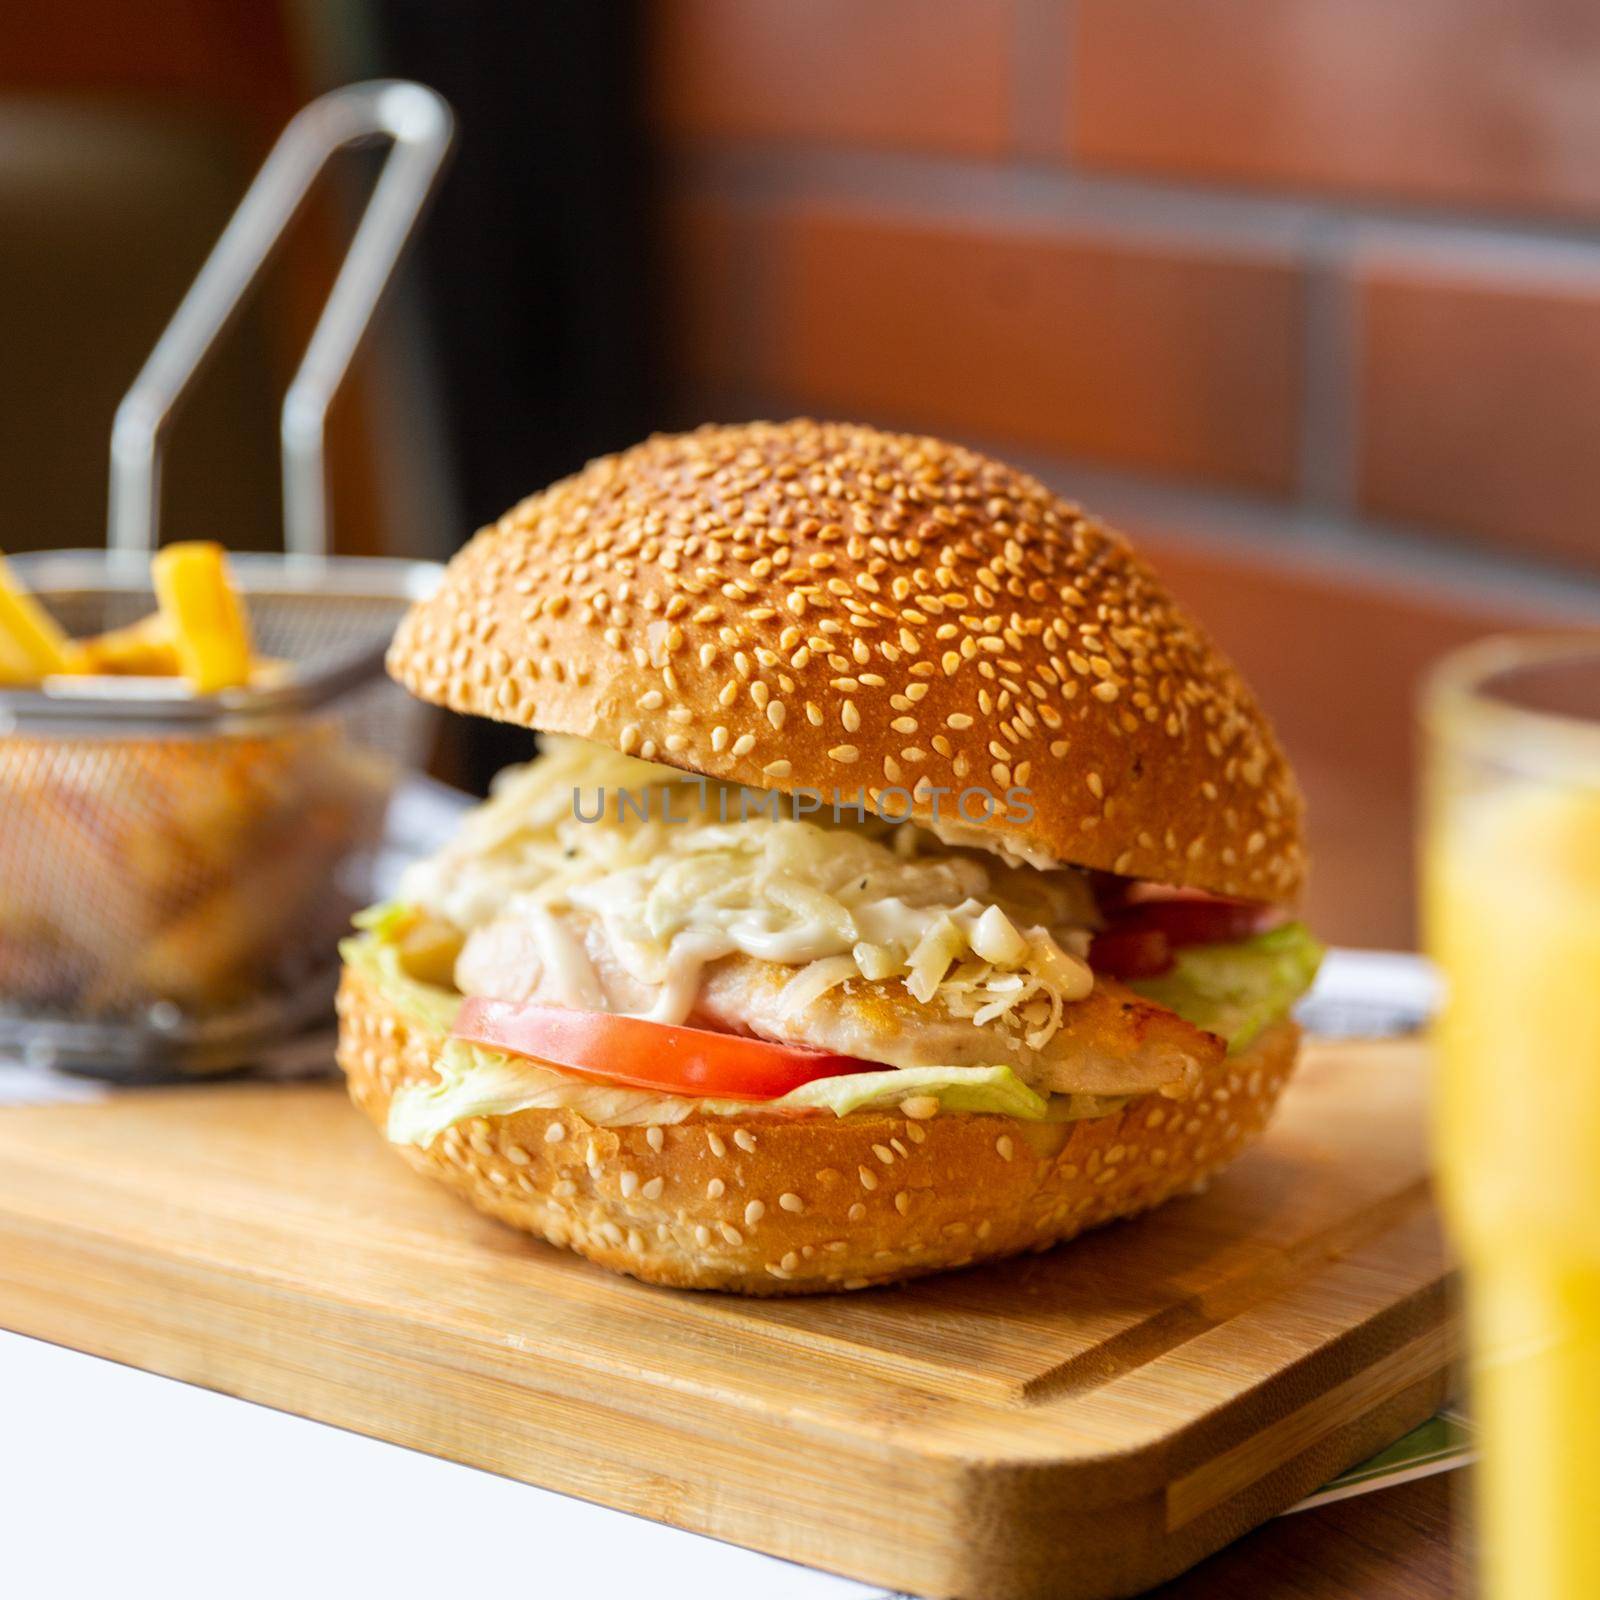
679 876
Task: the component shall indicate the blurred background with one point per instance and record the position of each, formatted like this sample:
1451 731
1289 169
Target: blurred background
1304 294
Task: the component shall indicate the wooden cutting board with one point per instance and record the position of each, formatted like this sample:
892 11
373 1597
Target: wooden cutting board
1081 1423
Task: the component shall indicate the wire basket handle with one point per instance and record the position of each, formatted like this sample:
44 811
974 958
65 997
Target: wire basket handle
418 124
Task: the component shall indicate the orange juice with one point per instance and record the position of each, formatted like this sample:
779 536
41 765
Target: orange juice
1513 918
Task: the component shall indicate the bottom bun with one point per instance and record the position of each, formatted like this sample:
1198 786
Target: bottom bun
781 1205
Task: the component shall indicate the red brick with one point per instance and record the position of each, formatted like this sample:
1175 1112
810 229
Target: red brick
1478 403
1337 660
1480 102
1174 360
242 57
706 248
915 74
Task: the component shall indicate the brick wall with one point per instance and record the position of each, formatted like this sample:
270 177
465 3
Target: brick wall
1304 293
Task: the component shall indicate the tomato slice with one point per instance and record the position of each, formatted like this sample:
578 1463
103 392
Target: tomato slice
1193 920
1149 923
1121 952
649 1055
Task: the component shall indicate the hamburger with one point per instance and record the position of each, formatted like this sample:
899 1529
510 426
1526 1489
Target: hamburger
904 881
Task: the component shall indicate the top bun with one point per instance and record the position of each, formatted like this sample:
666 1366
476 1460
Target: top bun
821 606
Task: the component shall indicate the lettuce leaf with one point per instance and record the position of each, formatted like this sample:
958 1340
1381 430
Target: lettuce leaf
474 1082
1236 990
990 1091
375 954
386 920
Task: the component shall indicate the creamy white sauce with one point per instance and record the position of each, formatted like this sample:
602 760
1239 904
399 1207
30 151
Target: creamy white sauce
671 899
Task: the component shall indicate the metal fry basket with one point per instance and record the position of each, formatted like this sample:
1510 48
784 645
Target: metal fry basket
176 869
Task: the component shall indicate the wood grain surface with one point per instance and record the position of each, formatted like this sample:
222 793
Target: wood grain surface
1082 1423
1410 1542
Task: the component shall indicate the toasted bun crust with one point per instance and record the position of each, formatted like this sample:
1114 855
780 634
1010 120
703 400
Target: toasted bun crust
768 1205
819 606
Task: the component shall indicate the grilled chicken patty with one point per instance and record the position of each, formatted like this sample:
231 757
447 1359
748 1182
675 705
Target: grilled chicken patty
1114 1042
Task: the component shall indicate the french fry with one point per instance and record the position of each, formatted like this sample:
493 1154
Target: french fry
142 649
32 645
208 625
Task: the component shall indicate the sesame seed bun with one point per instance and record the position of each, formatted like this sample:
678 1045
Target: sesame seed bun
772 1205
818 606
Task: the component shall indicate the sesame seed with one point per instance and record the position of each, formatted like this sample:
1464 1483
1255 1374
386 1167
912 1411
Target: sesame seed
702 1235
652 1188
654 1137
902 1202
1005 1147
716 1189
714 1141
731 1233
753 1213
744 1139
883 1153
629 1184
791 1202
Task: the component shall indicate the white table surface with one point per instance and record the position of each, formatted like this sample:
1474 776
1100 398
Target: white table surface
118 1483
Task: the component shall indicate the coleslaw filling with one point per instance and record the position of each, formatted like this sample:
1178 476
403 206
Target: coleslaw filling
998 943
1240 989
678 876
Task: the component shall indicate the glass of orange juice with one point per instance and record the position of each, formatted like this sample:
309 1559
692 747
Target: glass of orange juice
1511 846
